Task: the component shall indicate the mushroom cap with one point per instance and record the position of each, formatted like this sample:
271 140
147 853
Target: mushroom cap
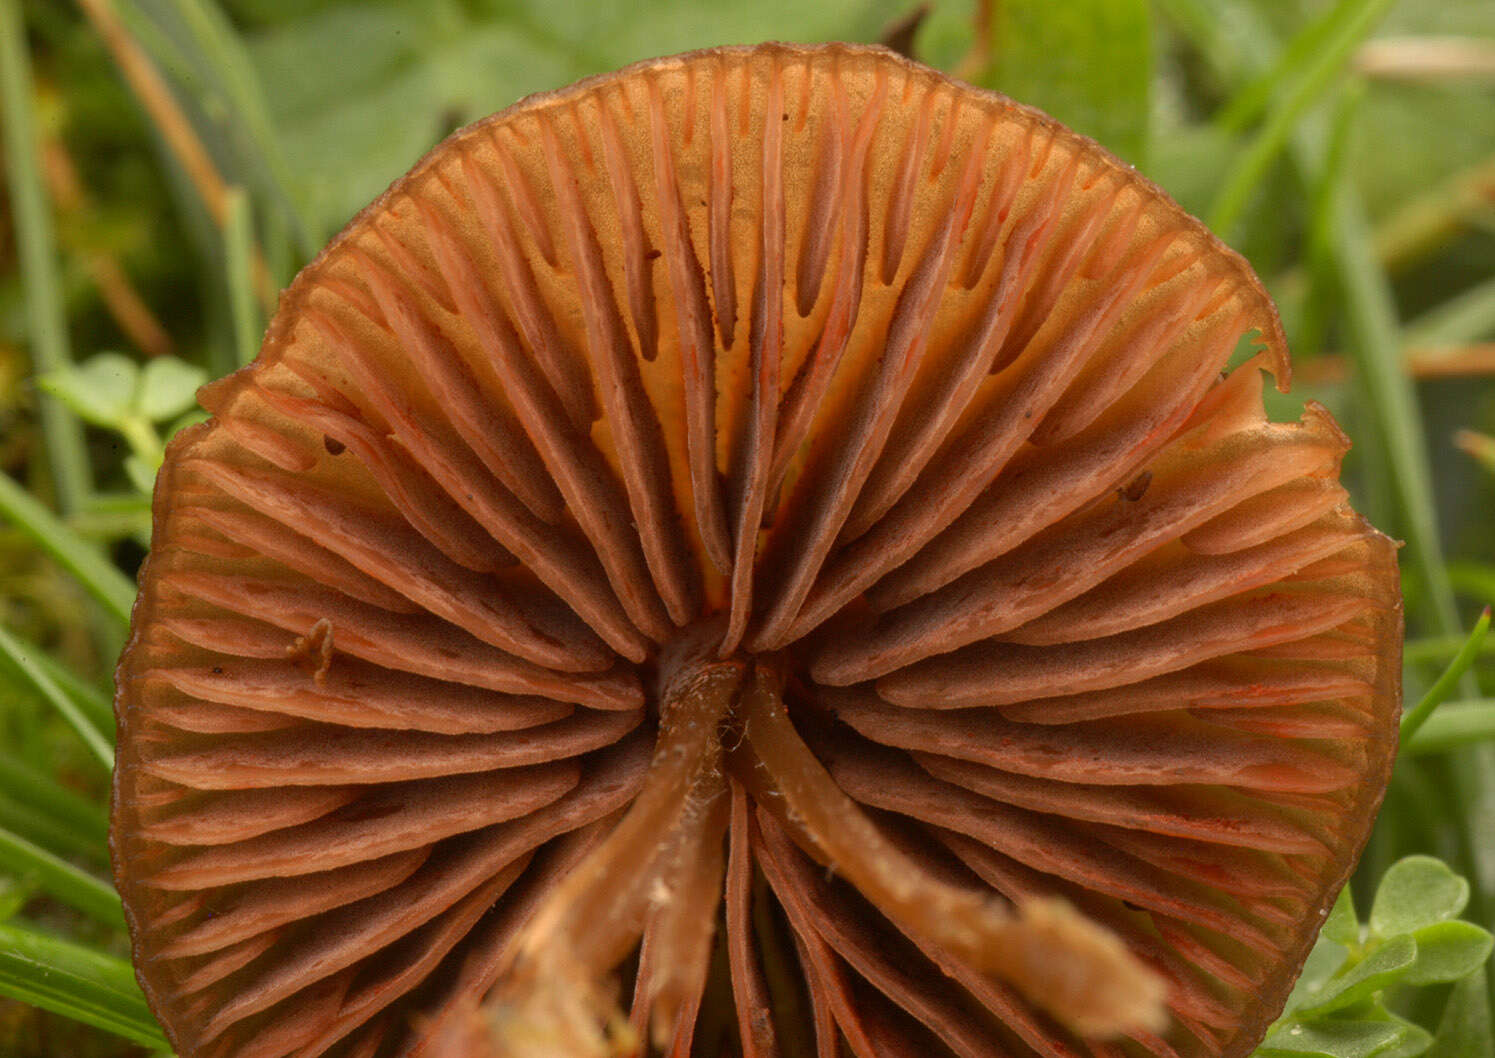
827 375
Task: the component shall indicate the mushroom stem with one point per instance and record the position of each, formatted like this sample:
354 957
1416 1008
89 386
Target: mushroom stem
684 918
662 862
1077 971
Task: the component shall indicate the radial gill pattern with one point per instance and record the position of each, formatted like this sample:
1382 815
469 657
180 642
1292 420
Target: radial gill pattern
770 533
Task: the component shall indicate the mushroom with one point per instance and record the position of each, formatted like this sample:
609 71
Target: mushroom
774 529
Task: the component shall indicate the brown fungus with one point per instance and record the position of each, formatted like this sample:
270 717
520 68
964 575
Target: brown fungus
769 526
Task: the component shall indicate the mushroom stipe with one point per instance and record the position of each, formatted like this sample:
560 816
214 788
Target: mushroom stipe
770 552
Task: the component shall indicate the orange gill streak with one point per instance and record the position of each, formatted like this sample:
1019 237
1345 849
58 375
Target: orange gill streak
563 366
901 202
824 497
635 243
697 348
754 452
937 398
591 492
815 244
807 391
719 195
635 429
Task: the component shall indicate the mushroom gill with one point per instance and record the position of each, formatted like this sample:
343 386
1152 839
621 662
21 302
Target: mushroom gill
774 529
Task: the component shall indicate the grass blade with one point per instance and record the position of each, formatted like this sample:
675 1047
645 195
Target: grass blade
93 702
165 111
55 817
1321 301
1443 686
1465 1029
1355 19
1253 99
76 982
1464 318
1437 648
224 58
46 324
84 561
44 830
22 658
76 888
238 270
1453 725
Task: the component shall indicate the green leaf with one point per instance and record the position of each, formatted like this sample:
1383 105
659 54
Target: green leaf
192 418
1415 892
1465 1030
1415 1040
1350 22
22 658
78 889
440 65
1323 961
142 475
1086 62
14 895
1464 318
1385 964
168 388
238 273
75 981
34 249
1342 926
1453 725
95 703
100 391
1438 693
36 805
1191 162
76 555
1448 951
48 832
1333 1039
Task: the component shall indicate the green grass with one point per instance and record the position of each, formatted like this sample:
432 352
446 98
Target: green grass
1364 204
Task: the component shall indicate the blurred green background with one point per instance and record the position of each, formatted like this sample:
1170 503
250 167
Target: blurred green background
169 164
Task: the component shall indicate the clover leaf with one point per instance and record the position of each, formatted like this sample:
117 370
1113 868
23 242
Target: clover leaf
1342 926
168 388
1417 891
1448 951
1333 1039
101 391
1382 966
110 390
1465 1030
1413 938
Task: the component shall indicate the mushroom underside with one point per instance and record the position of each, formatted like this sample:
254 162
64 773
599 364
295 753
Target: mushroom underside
770 552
